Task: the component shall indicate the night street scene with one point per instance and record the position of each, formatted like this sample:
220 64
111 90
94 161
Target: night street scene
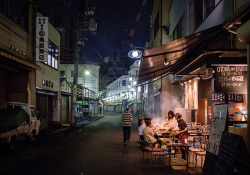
124 87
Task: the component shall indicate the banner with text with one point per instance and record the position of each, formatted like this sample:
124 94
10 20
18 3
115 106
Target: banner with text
42 36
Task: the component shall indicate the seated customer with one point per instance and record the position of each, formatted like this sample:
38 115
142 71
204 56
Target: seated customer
149 132
139 118
141 127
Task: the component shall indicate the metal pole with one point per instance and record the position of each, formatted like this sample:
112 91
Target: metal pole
136 100
82 107
89 101
141 98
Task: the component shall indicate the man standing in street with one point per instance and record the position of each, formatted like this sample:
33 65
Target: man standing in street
126 118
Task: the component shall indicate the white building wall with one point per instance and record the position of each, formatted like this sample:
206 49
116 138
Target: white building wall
90 81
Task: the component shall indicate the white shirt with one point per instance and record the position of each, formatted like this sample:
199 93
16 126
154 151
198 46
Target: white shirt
173 124
141 128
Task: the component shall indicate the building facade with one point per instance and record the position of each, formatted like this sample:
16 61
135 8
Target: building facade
48 96
17 58
185 21
124 92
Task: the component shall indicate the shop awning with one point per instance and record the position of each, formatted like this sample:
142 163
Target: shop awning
66 93
179 53
46 92
21 61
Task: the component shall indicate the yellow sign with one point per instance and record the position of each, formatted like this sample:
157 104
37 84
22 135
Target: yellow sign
74 94
74 99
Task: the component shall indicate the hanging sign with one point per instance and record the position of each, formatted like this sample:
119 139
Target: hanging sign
231 79
42 39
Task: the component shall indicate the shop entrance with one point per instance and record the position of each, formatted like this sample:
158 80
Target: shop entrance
65 109
202 111
44 105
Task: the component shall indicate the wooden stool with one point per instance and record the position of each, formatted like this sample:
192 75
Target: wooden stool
192 151
203 153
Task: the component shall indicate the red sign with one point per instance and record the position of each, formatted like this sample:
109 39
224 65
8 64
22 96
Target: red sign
41 33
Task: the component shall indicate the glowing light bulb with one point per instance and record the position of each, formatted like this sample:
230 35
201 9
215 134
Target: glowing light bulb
135 54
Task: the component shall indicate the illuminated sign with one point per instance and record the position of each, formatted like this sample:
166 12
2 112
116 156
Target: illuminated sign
42 39
231 79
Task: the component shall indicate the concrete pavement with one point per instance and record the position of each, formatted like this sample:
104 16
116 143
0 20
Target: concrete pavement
93 149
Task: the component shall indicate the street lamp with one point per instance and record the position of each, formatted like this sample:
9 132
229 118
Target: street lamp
135 54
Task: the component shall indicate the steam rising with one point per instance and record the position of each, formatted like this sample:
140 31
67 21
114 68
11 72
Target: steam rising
170 102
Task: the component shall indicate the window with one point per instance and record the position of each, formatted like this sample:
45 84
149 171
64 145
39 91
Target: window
179 30
17 11
53 54
72 73
62 73
123 82
79 73
209 6
199 10
156 24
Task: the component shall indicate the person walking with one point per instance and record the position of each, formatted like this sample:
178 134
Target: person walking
126 118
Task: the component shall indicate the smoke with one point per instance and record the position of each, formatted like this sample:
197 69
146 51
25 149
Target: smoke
169 101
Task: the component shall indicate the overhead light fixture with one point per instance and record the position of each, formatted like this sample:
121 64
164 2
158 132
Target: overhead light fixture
213 71
185 82
181 83
189 80
166 62
135 82
135 54
87 72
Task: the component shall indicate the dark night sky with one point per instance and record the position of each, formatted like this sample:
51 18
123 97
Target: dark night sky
114 16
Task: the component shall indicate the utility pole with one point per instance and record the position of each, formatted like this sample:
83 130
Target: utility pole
76 63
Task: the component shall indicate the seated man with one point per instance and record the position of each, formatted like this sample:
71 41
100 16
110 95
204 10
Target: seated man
150 133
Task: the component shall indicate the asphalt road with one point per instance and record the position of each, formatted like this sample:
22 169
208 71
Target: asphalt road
95 149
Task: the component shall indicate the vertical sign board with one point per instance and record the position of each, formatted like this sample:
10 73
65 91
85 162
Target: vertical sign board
227 154
217 127
42 39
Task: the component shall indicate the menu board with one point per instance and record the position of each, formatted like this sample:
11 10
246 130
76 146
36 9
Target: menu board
231 79
218 97
217 127
236 98
228 150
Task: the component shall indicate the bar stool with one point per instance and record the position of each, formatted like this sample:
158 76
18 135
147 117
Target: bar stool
192 151
203 153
